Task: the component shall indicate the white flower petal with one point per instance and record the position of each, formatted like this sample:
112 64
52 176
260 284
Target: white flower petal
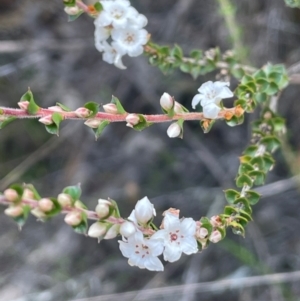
206 87
171 221
189 245
172 253
224 93
156 246
211 111
188 226
197 98
125 248
136 51
153 264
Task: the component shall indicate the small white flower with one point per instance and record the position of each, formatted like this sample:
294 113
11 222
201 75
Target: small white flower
166 101
215 236
97 230
144 211
211 111
143 252
212 93
129 40
178 237
115 13
112 56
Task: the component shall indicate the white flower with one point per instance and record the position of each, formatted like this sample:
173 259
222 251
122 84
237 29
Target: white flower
142 252
144 211
178 236
210 96
129 40
127 229
101 35
112 56
166 101
115 13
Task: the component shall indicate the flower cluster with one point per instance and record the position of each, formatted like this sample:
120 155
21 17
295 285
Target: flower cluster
123 25
210 97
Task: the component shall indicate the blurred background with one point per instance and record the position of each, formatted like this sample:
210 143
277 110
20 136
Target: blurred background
58 60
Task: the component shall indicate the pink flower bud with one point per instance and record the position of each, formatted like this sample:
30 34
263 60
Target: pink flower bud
45 205
215 236
47 120
144 211
172 211
27 194
178 109
110 108
11 195
112 232
216 221
97 230
102 209
73 218
166 101
132 120
64 200
174 130
83 112
23 105
127 229
14 211
201 233
72 10
93 123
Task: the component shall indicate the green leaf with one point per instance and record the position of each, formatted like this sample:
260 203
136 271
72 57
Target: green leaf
243 204
100 128
66 109
7 121
196 54
272 89
69 2
271 143
247 79
243 180
237 72
54 127
19 189
83 226
260 74
261 97
252 196
72 18
268 162
241 102
34 191
185 67
251 150
258 163
176 52
143 123
205 223
276 77
73 191
32 107
93 107
245 168
231 195
237 228
278 124
118 104
98 6
258 176
230 210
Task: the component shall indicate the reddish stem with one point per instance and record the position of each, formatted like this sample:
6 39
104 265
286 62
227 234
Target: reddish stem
19 113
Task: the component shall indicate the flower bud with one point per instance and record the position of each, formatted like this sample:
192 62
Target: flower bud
102 209
93 123
97 230
45 205
27 194
201 233
178 108
23 105
144 211
132 120
215 236
110 108
72 10
216 221
47 120
112 232
172 211
83 112
127 229
166 101
174 130
73 218
14 211
11 195
56 109
64 199
37 212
